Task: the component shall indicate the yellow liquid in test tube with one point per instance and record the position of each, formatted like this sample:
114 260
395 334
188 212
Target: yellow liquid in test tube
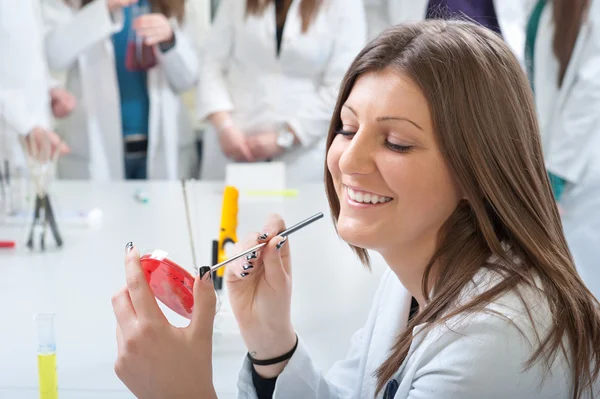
48 378
47 373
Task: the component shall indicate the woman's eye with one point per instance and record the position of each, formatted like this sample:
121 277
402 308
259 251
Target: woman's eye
346 133
398 147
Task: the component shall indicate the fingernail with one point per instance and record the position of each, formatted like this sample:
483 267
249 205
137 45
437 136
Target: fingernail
203 272
244 274
247 266
251 255
263 236
129 246
280 244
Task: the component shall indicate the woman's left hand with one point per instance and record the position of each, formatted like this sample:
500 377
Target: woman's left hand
155 359
263 145
154 28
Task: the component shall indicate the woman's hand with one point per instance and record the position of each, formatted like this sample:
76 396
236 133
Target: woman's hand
260 291
114 5
155 359
41 144
264 145
62 102
154 28
234 144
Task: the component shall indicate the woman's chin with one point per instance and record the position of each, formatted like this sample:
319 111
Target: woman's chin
357 238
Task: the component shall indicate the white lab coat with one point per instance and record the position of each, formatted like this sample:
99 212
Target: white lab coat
80 40
241 73
24 78
570 127
511 17
481 356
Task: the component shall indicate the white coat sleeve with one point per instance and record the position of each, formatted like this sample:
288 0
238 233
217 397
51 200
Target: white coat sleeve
577 138
301 378
14 111
70 32
180 62
313 118
212 94
53 83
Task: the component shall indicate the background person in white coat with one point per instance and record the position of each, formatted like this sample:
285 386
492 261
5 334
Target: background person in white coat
25 99
506 17
269 76
434 161
81 38
563 58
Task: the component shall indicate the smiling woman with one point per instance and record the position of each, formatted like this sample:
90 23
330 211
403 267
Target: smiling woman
434 161
439 117
388 148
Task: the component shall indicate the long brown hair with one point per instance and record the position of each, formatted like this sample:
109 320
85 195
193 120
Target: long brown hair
485 122
169 8
308 9
568 17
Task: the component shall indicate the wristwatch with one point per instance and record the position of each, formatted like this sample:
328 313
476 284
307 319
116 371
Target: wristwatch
285 138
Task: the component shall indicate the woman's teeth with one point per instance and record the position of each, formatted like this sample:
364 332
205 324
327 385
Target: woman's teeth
366 198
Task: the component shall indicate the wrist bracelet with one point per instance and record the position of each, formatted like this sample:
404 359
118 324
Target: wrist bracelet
269 362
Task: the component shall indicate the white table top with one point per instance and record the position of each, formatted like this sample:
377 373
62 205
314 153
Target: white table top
331 298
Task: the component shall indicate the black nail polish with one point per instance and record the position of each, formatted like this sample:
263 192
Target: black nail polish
129 246
280 244
263 236
247 266
244 274
203 270
251 255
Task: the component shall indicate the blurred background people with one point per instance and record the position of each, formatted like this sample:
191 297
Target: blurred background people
269 78
127 67
25 84
506 17
563 60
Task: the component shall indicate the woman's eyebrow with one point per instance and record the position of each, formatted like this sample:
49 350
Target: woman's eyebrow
386 118
397 118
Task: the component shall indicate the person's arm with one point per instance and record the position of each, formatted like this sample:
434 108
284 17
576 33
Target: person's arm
302 379
69 32
180 58
14 111
576 138
213 95
312 119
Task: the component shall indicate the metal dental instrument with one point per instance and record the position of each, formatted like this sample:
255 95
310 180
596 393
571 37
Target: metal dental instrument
204 269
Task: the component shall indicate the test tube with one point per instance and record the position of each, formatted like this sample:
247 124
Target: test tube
47 373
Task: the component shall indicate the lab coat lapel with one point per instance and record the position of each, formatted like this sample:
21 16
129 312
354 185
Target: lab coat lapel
269 25
391 321
579 50
293 24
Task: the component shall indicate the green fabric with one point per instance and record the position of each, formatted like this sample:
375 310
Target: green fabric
558 185
531 34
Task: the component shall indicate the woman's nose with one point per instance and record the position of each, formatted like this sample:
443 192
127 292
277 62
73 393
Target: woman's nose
357 156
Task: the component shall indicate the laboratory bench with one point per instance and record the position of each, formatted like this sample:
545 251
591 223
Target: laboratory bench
332 291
